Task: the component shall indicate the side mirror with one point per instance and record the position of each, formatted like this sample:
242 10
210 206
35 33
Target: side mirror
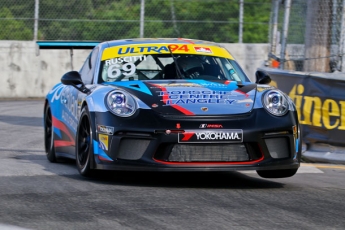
262 77
73 78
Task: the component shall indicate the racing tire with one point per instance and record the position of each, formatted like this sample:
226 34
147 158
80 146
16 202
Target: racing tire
49 135
84 146
281 173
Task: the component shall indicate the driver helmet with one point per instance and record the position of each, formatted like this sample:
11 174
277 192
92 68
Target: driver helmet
186 63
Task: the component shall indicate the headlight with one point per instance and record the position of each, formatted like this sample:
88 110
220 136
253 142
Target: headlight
121 103
275 102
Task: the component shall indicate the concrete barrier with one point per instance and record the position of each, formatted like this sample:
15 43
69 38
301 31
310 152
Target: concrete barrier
25 74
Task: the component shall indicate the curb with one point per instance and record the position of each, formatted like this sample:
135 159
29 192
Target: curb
324 153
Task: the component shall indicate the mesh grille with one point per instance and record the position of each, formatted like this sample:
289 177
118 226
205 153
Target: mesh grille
278 147
197 153
132 149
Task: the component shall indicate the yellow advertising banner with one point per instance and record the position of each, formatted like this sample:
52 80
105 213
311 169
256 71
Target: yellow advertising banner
145 49
320 104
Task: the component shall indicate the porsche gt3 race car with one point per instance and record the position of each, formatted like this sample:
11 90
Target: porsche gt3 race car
170 105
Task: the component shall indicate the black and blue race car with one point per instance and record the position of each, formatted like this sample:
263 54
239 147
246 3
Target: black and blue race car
170 105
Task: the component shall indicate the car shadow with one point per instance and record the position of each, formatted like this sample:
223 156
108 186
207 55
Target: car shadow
231 179
221 180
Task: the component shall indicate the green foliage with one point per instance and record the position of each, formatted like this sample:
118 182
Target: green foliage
256 18
12 29
214 20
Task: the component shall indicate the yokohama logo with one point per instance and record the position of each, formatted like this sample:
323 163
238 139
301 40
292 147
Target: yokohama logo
218 136
211 136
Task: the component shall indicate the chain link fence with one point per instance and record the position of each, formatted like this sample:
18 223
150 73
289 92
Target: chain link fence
100 20
305 35
313 38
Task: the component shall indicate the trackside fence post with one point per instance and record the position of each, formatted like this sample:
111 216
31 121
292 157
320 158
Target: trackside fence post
342 38
37 3
285 32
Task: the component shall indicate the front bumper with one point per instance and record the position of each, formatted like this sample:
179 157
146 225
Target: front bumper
143 143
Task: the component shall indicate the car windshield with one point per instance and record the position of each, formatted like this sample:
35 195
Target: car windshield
170 66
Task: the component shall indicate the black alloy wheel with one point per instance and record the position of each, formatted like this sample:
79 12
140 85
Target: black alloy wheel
84 144
49 135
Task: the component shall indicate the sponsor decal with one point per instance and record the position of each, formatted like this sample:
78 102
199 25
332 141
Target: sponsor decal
196 97
205 109
121 60
56 92
315 111
143 49
200 101
178 125
153 49
69 120
228 85
177 107
177 85
203 49
211 136
103 141
66 99
211 126
105 129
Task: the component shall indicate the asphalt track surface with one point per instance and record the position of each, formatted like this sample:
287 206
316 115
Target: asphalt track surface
36 194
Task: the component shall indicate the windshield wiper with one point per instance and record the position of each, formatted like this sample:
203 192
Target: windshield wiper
178 72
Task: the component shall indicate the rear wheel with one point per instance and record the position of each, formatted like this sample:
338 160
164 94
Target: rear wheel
281 173
84 144
49 135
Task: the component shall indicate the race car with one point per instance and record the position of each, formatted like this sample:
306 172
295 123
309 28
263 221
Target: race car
170 105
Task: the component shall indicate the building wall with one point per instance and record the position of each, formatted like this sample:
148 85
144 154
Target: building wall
29 72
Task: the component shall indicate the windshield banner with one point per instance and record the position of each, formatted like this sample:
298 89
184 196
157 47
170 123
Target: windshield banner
144 49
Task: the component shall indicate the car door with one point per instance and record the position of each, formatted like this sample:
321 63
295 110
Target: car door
71 99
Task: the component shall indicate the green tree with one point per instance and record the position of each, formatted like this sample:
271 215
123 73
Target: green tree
256 21
215 20
64 20
12 29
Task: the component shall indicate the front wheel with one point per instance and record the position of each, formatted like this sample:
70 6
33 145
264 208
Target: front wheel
49 135
84 144
281 173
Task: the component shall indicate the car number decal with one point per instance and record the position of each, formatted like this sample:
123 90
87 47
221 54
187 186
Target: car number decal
114 71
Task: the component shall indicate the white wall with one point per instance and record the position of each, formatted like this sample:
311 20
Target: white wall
26 74
249 56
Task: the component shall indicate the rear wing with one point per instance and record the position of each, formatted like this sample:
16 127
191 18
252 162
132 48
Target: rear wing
66 45
71 45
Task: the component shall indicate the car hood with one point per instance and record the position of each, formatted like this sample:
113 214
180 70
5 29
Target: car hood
193 97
